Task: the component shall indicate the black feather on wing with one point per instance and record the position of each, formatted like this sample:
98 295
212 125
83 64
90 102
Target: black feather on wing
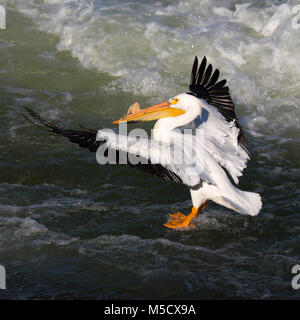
204 85
86 138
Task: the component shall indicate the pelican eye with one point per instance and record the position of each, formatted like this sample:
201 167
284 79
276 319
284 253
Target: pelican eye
174 101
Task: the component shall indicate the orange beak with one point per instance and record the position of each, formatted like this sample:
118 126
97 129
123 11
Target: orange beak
158 111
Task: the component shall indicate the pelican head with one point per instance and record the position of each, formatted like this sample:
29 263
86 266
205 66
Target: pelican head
186 102
175 107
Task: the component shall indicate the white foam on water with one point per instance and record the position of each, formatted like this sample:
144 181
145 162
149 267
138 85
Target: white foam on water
14 228
149 48
148 256
11 209
156 262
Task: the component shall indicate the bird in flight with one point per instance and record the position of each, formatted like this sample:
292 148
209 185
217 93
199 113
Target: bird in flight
196 141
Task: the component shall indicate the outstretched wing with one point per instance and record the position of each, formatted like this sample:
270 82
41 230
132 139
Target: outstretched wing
204 84
87 138
180 156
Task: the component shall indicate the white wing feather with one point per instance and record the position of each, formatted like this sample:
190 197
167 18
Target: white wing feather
190 170
221 140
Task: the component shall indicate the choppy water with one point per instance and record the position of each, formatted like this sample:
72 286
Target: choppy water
70 228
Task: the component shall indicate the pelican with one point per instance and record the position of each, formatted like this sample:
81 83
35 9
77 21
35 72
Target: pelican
215 148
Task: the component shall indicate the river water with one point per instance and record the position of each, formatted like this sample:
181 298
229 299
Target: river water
70 228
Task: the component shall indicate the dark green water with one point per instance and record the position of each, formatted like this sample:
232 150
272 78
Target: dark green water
70 228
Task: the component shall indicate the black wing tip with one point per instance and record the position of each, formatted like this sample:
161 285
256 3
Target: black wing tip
33 115
86 129
28 109
204 84
85 139
204 75
204 58
32 112
43 124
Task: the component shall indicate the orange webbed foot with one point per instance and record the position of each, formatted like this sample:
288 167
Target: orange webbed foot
179 220
177 215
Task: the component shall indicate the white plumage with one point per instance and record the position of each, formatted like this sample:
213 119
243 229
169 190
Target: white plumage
202 169
196 138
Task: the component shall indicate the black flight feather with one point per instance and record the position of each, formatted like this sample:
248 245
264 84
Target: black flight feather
204 85
86 138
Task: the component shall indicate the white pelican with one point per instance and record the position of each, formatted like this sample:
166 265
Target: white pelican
207 106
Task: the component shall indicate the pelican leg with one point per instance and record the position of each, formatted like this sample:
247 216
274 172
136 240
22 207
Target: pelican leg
179 220
177 215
